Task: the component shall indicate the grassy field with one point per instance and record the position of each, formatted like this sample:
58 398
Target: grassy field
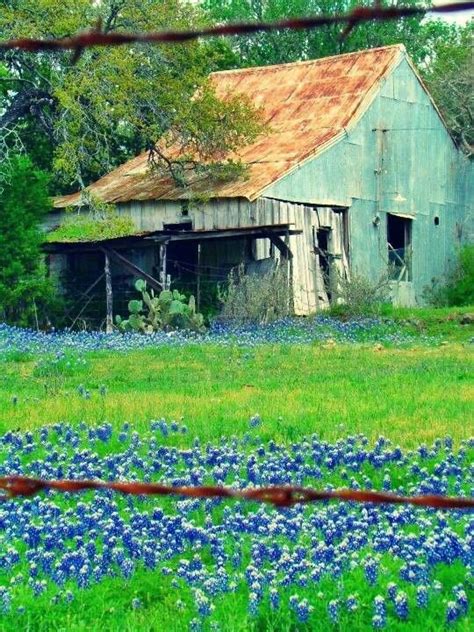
411 395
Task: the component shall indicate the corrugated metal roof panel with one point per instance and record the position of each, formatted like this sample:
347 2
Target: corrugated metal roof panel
306 105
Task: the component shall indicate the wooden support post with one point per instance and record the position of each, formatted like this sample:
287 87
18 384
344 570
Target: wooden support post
289 259
198 278
109 319
163 276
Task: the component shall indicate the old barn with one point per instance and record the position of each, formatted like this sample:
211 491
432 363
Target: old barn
357 174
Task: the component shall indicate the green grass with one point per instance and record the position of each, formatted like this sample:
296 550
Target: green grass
439 322
409 395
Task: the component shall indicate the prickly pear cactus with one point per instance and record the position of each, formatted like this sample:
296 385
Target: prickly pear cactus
169 310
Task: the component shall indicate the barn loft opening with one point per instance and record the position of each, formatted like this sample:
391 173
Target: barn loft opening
182 225
399 231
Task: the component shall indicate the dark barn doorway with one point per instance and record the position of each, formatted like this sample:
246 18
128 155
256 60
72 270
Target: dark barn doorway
399 231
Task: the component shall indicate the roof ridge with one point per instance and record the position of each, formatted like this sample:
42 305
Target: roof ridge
306 62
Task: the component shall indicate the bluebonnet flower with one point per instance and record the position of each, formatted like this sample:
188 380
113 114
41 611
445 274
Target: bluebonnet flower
378 622
5 600
401 605
371 568
254 602
274 598
203 604
333 610
301 607
392 590
195 625
289 331
422 596
452 612
380 607
461 599
352 603
255 421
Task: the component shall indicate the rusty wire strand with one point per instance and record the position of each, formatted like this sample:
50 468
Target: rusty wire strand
279 496
96 37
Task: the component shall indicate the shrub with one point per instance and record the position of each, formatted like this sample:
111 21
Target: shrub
256 298
458 286
169 310
358 296
26 295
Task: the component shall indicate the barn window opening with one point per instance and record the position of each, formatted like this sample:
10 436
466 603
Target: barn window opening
399 231
185 208
436 221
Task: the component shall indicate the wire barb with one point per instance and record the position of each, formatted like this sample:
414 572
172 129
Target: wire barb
279 496
96 37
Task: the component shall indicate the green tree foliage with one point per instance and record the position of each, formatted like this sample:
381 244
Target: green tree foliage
442 51
90 116
285 46
450 78
25 293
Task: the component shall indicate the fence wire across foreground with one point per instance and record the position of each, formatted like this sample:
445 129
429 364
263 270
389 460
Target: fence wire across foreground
96 37
279 496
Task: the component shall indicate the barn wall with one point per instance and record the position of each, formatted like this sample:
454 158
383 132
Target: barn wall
423 175
308 288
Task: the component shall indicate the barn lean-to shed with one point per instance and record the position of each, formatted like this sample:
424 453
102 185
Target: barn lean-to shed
357 172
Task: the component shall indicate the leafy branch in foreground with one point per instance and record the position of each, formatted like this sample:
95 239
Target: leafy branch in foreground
91 116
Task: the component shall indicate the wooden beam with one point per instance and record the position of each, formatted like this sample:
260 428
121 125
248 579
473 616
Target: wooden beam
278 242
109 319
134 269
224 234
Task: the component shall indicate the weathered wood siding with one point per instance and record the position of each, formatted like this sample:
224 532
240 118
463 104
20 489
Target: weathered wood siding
423 175
308 287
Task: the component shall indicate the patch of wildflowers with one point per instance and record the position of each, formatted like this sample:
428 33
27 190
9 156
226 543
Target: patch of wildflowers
204 545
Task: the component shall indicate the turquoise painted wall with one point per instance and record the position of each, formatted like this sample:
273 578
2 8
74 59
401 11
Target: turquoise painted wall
423 175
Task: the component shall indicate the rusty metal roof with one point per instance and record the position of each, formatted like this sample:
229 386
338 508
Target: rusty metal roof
307 105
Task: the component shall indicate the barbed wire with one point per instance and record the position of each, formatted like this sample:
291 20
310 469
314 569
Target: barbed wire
96 37
279 496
